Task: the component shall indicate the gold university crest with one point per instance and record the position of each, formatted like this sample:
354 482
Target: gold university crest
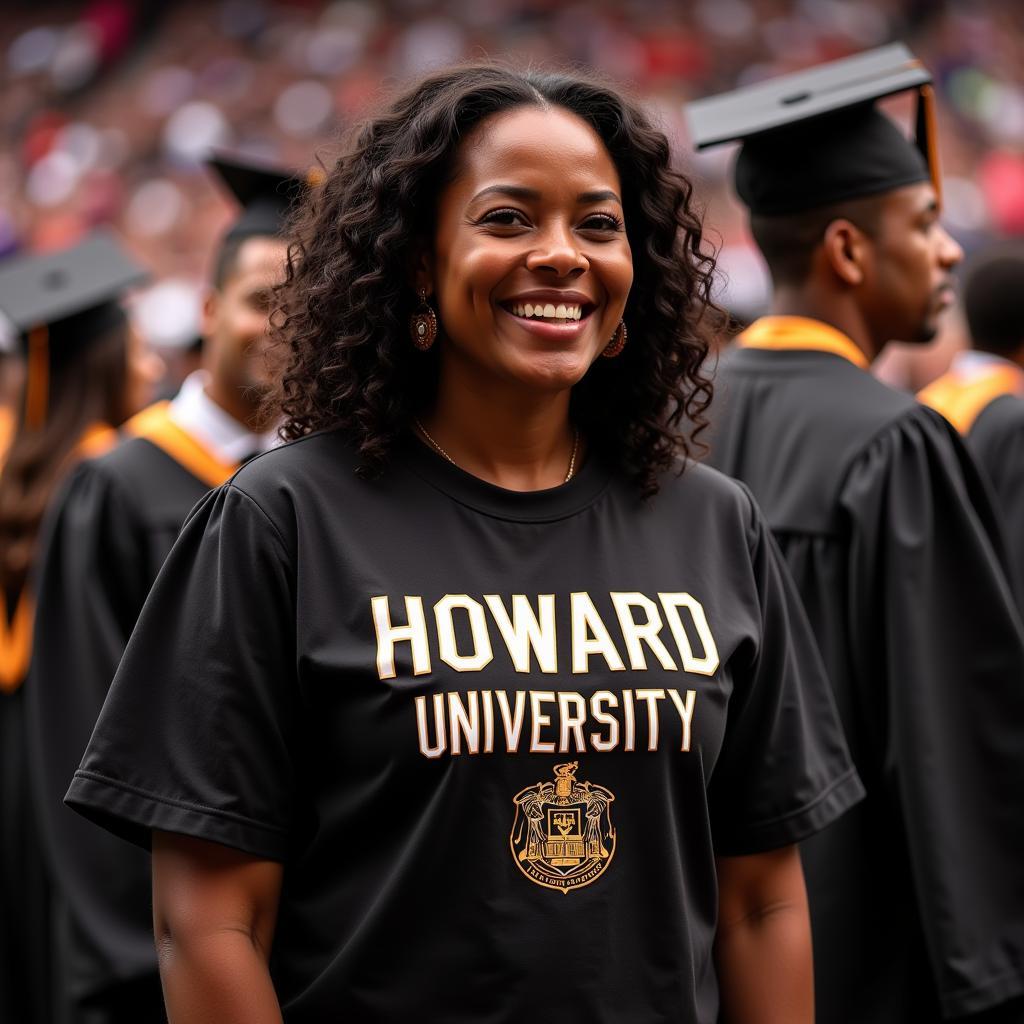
562 836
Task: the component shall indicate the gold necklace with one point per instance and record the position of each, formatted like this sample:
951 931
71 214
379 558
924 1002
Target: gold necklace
440 451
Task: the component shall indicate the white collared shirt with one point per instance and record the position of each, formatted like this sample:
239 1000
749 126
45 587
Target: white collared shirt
198 414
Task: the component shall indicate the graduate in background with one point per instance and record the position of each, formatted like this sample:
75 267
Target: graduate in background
104 545
982 395
12 368
86 374
917 905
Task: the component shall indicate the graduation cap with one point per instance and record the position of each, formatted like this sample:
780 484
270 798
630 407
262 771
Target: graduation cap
265 194
60 301
815 137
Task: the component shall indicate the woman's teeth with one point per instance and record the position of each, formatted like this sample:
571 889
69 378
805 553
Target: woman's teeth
548 312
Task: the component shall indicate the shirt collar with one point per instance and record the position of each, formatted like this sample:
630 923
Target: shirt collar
801 333
199 415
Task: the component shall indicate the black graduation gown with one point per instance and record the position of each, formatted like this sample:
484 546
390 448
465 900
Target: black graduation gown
983 397
24 886
26 933
996 440
103 547
917 895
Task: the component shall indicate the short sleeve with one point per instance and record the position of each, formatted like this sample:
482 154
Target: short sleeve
784 771
195 736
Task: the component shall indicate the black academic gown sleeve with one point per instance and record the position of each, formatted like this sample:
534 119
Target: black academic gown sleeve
942 647
93 577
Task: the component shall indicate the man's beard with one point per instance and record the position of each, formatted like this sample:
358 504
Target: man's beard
927 332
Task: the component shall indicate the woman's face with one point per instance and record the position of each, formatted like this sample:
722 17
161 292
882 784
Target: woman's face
530 266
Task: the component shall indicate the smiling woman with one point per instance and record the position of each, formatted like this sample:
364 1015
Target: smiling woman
346 718
553 238
489 190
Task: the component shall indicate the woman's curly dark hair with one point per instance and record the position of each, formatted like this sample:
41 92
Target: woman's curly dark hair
344 306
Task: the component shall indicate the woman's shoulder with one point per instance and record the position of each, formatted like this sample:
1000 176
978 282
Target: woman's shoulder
695 483
296 473
705 503
325 454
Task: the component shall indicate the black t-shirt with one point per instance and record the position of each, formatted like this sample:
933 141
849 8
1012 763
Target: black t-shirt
497 738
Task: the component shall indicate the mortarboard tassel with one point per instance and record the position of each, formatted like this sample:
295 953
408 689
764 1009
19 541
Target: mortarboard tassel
37 382
927 128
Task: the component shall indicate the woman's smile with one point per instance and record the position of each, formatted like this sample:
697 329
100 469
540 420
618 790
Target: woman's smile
551 327
550 314
531 265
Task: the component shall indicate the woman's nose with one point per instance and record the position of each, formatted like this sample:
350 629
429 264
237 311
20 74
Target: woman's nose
559 254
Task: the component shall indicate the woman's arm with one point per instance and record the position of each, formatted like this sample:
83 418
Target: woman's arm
763 947
214 911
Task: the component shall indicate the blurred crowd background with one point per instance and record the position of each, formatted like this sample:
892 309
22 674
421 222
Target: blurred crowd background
108 108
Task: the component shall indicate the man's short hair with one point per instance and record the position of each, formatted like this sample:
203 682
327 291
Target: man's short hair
788 242
227 259
993 298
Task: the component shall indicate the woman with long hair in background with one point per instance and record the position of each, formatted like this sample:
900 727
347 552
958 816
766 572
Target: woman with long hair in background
85 374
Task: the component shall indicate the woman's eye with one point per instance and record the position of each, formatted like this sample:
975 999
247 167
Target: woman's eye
503 218
602 222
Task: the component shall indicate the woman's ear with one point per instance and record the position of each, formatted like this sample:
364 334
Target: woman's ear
847 250
422 271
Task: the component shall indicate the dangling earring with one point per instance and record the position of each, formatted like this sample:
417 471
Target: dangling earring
423 324
618 342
